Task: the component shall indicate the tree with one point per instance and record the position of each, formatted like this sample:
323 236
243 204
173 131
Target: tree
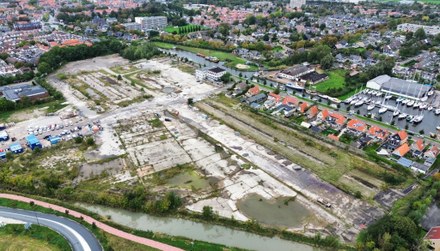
119 77
420 34
327 61
207 213
226 77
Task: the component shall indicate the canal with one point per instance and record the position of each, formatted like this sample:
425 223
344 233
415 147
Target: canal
195 230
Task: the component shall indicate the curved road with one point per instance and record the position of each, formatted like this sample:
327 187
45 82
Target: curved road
79 237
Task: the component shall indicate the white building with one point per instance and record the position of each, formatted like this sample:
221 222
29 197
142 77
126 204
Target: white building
212 74
429 30
152 23
297 4
132 26
399 87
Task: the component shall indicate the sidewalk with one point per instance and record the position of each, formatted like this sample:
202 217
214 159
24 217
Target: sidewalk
90 220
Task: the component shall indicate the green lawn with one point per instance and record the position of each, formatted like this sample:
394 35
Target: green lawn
230 59
16 237
52 106
336 79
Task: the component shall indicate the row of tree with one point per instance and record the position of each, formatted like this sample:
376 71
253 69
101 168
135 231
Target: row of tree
140 51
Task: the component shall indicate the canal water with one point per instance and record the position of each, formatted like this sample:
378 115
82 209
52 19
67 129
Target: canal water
195 230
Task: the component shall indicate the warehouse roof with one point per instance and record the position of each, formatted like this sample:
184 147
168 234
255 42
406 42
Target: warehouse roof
400 86
16 92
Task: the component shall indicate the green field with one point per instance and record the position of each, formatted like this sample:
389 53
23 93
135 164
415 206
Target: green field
230 59
16 237
336 79
171 29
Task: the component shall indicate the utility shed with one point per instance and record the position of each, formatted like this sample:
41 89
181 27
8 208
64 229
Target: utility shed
16 148
33 142
54 140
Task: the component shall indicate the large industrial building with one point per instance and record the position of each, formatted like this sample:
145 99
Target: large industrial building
210 73
400 87
18 91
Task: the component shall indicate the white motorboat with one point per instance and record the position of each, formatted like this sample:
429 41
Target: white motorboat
430 108
388 96
398 100
418 119
437 111
379 94
371 107
354 101
402 116
377 102
409 118
423 106
410 103
396 113
424 98
383 110
359 103
430 93
416 104
438 128
405 101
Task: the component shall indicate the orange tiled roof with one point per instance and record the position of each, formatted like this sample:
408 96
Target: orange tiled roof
333 137
254 90
276 96
378 132
303 107
357 125
418 145
290 100
313 111
403 135
402 150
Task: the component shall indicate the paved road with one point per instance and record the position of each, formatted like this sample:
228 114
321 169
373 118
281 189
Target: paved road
79 237
90 220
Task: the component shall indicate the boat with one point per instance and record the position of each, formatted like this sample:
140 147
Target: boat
359 103
383 110
396 113
409 118
410 103
398 100
354 101
418 119
423 106
416 104
430 93
402 116
347 101
388 96
405 101
379 94
430 108
424 98
437 111
371 107
377 102
438 128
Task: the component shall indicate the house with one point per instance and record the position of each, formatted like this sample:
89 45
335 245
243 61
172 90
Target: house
378 133
417 147
239 89
357 126
335 119
364 141
16 148
290 101
432 152
418 167
253 91
257 98
210 73
33 142
272 100
405 162
401 150
303 107
312 112
433 238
